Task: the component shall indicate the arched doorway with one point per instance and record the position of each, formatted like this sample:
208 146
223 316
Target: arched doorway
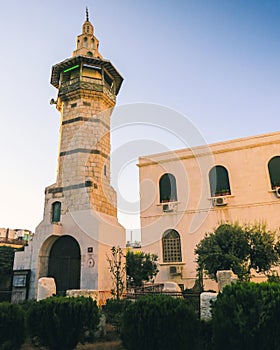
65 264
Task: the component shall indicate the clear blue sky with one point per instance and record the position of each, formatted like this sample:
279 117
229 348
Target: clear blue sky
216 62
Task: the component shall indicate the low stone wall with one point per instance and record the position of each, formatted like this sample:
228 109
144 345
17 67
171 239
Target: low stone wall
99 295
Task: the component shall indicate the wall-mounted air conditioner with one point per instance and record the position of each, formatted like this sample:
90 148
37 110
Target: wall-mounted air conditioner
219 201
175 270
168 207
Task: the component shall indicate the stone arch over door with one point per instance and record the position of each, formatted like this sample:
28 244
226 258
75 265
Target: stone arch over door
64 264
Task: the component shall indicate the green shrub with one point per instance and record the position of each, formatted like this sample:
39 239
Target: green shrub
159 322
12 329
205 335
192 300
246 316
114 309
60 323
273 277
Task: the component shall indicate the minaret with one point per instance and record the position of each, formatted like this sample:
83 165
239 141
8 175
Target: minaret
87 88
80 224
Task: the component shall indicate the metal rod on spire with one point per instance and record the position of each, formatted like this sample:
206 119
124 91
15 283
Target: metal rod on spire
87 18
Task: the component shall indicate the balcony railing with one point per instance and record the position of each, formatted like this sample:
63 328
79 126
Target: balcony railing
87 83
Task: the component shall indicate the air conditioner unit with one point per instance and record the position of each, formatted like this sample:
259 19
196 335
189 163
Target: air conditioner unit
168 207
219 201
174 270
277 191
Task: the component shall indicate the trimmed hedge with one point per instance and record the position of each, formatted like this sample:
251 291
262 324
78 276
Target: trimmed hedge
60 323
246 316
114 310
12 326
159 322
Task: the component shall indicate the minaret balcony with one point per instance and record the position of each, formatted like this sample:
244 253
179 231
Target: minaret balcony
86 83
79 71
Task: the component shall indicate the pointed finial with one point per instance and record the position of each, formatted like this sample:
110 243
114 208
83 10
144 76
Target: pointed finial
87 19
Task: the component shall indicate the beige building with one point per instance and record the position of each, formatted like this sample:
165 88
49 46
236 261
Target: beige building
187 193
15 237
79 224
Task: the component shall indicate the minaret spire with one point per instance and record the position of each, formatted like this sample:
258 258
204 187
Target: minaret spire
87 43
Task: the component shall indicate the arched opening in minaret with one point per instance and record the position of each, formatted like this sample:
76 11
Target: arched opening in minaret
65 264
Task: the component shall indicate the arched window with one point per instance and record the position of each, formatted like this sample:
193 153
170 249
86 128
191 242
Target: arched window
219 182
274 171
56 211
167 188
171 246
85 42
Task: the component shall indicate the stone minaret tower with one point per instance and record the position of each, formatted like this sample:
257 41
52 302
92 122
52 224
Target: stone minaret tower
87 88
80 223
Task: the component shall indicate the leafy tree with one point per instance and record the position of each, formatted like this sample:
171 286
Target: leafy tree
6 259
240 249
117 269
6 271
140 267
273 277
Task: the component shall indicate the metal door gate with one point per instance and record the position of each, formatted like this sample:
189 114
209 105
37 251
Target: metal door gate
65 264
